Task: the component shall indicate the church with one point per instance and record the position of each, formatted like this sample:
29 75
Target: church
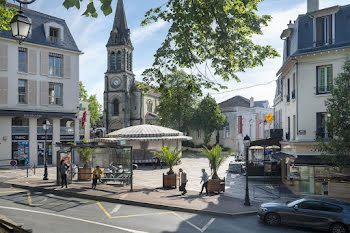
124 104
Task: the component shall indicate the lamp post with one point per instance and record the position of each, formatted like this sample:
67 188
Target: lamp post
46 126
20 23
246 142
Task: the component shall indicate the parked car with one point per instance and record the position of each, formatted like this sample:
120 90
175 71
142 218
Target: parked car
318 213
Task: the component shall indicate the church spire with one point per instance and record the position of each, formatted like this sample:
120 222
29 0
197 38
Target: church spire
120 34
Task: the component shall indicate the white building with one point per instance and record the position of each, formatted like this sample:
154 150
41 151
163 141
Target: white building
39 80
244 117
315 48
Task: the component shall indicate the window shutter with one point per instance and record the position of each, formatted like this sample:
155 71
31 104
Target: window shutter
318 124
44 93
240 124
44 63
67 66
319 31
330 17
317 73
329 78
32 61
3 57
3 90
32 92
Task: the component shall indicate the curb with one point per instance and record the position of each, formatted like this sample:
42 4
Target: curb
135 203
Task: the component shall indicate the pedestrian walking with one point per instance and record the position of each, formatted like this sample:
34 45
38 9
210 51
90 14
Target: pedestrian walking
63 171
183 181
96 175
205 181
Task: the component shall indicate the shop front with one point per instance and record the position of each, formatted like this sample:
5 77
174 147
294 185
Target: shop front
20 140
44 140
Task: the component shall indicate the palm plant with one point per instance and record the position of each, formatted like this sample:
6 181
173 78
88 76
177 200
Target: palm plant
215 157
170 157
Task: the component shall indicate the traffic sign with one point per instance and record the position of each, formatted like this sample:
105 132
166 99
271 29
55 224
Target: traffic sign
269 117
13 163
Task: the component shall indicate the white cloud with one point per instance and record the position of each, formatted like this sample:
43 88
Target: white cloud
141 33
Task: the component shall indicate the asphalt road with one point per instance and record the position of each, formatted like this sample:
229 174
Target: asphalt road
47 213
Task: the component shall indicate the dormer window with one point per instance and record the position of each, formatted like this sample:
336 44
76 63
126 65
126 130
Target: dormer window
324 30
53 34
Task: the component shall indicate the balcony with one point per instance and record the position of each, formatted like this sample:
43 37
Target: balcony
293 94
20 129
288 98
67 130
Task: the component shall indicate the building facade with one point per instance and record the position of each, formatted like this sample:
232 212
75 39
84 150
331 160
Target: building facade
124 104
244 117
39 81
315 48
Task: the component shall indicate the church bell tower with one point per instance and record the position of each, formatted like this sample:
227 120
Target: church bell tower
119 78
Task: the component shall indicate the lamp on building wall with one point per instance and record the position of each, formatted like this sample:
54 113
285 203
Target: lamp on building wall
46 125
246 142
20 23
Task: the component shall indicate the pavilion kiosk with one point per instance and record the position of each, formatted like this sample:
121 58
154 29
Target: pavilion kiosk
114 159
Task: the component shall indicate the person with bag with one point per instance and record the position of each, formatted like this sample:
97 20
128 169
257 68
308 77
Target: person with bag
63 171
96 175
183 181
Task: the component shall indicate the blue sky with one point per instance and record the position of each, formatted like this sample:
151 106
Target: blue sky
91 36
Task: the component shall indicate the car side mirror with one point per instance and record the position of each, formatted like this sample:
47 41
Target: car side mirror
296 207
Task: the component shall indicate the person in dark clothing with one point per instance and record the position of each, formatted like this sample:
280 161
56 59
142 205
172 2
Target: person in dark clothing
63 171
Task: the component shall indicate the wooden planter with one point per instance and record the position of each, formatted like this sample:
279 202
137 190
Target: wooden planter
84 174
216 186
169 181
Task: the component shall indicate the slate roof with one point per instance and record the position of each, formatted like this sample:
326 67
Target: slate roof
38 34
236 101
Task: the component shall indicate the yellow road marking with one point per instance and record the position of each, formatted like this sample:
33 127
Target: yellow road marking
29 198
103 209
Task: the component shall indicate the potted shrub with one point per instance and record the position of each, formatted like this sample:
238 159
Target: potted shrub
86 156
216 158
170 158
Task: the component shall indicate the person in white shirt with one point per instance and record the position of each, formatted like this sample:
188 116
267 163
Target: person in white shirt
205 181
183 181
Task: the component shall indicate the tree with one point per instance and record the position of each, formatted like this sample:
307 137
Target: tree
216 158
170 157
6 15
338 124
95 108
208 118
177 101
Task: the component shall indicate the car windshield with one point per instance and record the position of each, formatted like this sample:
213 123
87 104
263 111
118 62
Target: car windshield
293 203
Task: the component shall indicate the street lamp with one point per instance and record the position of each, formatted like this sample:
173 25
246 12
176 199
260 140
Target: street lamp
46 125
20 23
246 142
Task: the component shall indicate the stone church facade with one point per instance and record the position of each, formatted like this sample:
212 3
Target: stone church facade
124 104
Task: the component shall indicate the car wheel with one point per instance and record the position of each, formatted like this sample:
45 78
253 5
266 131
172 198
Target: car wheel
338 228
272 219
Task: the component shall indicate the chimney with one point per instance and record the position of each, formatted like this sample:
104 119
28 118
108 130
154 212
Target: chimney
312 5
251 102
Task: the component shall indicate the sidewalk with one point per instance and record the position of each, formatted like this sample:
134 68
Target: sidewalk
192 202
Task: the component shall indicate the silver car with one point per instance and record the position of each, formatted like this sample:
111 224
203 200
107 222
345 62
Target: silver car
317 213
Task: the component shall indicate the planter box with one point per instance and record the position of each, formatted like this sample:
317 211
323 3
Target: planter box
170 181
216 186
84 174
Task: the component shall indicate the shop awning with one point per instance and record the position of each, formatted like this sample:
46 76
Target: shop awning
280 156
310 160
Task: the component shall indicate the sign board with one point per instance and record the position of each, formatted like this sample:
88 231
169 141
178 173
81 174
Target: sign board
20 137
302 132
42 137
13 163
67 138
122 143
269 118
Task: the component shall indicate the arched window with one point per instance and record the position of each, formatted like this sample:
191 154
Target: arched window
149 106
130 62
127 61
115 107
119 61
112 61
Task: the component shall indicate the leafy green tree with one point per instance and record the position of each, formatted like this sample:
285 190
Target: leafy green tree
83 95
338 107
216 158
170 157
177 101
95 108
208 117
6 15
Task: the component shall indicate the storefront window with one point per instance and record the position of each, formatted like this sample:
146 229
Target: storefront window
40 123
20 152
67 126
41 153
20 125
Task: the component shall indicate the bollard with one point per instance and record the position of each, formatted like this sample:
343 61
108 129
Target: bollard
27 171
